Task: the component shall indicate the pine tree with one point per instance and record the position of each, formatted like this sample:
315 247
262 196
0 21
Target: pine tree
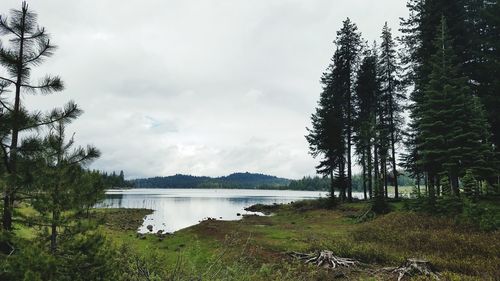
349 47
475 27
326 138
482 67
367 87
382 141
60 178
453 132
418 34
390 95
445 184
122 176
29 47
411 160
469 183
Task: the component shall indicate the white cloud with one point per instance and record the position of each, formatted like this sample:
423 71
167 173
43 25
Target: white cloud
197 87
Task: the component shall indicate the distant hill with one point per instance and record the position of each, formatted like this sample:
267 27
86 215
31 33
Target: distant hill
235 180
250 181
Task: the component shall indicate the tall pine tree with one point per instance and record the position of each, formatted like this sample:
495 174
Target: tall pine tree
367 89
349 47
474 27
390 95
452 127
326 136
29 46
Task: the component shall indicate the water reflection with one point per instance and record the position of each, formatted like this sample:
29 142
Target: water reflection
175 209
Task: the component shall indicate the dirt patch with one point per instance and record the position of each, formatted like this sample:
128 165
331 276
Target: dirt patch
265 209
122 219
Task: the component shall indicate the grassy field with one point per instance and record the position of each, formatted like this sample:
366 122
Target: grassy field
255 248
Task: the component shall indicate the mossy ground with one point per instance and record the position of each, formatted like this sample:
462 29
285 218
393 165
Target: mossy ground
255 247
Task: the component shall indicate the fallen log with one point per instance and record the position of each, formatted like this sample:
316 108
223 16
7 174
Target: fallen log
325 259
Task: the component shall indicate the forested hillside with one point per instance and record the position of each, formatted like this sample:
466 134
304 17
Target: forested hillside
235 180
244 181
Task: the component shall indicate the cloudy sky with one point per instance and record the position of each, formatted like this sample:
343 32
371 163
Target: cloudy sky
204 87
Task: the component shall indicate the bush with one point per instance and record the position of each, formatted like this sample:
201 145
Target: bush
486 219
464 210
28 262
85 257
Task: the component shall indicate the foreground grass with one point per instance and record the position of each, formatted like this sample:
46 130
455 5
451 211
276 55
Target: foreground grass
255 247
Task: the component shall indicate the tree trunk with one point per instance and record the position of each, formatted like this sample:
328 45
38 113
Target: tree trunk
7 212
332 185
426 182
395 171
384 170
53 234
349 170
364 175
341 182
438 187
393 148
418 184
349 133
454 184
432 181
370 168
12 165
377 173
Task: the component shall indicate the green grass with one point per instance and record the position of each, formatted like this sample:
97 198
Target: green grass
255 247
21 230
460 253
121 226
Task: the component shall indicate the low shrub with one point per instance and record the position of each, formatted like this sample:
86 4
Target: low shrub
464 210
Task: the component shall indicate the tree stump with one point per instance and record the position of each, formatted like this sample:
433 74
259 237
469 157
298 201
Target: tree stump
412 267
325 259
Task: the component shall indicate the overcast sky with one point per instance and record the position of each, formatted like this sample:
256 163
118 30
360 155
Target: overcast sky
197 87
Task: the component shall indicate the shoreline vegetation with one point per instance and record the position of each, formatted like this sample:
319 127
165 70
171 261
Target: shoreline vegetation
258 247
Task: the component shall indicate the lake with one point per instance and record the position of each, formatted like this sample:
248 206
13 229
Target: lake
176 209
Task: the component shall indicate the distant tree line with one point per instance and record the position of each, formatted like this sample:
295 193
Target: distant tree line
235 180
443 71
249 181
114 180
323 183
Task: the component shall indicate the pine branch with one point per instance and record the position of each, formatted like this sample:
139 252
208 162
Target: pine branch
45 51
47 85
7 80
5 28
71 111
40 33
5 106
83 156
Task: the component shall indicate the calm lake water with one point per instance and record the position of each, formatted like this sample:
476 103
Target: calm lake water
175 209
